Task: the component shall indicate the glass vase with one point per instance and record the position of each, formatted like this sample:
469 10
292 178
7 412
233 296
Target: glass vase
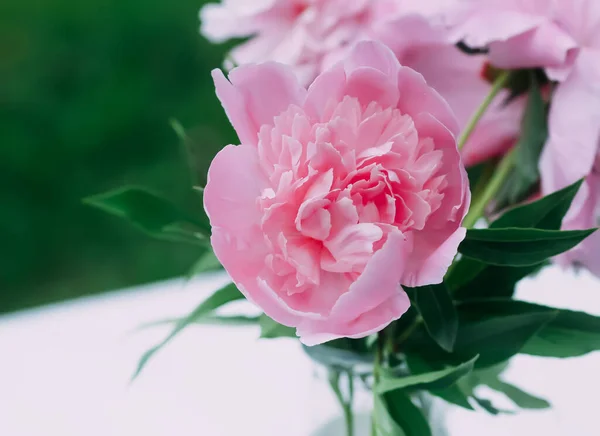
330 419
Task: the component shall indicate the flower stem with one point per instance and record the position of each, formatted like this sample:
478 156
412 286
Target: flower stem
479 203
496 88
376 376
348 413
334 381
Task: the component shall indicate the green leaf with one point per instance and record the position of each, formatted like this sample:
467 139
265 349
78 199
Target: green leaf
199 146
472 279
499 338
396 415
519 247
490 377
453 395
438 312
152 214
221 297
534 133
232 320
492 281
521 398
270 329
546 213
207 262
343 354
568 334
428 380
489 407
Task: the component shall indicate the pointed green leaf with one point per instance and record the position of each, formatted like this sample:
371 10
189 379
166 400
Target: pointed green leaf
489 407
521 398
499 338
396 415
546 213
270 329
569 334
472 279
152 214
233 320
344 354
493 281
453 395
438 312
207 262
519 247
534 133
221 297
429 380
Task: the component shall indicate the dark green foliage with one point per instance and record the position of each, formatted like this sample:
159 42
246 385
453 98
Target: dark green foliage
437 310
87 91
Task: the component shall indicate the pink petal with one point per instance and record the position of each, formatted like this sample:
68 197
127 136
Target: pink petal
372 302
366 324
235 182
574 125
379 281
477 29
372 55
432 256
372 74
369 85
220 22
546 45
327 89
244 98
235 108
417 97
351 248
457 194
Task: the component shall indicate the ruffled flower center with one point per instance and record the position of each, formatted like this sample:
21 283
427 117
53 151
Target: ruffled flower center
338 186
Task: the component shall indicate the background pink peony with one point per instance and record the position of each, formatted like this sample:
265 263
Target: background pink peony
337 194
300 33
563 38
313 35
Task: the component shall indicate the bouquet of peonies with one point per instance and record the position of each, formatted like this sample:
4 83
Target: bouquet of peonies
402 165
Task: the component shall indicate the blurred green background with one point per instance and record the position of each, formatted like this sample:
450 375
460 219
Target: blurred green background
87 89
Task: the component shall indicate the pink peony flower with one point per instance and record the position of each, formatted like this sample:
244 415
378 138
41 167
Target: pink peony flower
300 33
337 194
563 37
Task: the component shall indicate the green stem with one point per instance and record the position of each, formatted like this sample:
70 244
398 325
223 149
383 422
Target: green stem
376 376
349 415
334 382
409 331
498 85
479 203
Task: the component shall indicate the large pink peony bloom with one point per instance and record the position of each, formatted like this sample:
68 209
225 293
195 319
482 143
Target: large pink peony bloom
338 194
563 37
300 33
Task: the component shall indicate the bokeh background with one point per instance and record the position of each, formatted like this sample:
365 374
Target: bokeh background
87 89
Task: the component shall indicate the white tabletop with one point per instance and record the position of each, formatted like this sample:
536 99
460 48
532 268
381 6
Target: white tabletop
65 370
